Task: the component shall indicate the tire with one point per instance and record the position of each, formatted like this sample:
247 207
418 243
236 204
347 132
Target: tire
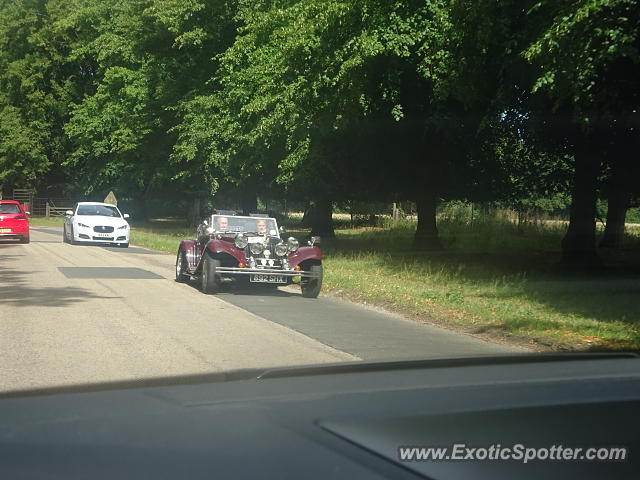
209 278
25 240
71 240
181 263
64 235
123 245
311 287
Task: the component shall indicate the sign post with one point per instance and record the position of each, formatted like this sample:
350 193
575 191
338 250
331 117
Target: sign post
111 199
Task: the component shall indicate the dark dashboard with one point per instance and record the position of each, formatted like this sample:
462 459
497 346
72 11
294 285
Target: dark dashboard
338 421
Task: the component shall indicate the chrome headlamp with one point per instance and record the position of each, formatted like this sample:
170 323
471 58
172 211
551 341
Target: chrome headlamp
241 241
292 244
281 249
256 248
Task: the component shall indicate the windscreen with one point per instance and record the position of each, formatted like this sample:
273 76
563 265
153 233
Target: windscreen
224 223
9 208
98 210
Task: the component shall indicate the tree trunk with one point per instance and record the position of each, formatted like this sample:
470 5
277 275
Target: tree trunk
306 216
579 243
426 236
321 219
193 213
142 211
618 203
249 202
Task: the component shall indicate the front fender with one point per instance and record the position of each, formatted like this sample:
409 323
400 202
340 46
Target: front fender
220 247
186 245
304 253
190 249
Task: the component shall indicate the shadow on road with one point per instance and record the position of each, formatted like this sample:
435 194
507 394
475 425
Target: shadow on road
245 289
136 250
261 290
18 288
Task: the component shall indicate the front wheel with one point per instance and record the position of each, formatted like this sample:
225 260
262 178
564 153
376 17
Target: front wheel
24 240
181 264
209 278
123 245
64 235
311 285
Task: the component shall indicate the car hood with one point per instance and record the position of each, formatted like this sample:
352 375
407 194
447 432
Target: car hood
100 220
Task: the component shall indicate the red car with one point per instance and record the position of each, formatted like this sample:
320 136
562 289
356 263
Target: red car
249 248
14 222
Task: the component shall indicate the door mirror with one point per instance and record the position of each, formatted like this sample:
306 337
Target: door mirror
69 213
314 240
282 230
126 215
28 213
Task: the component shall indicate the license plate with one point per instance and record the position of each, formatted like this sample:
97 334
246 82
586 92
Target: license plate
267 278
103 234
5 230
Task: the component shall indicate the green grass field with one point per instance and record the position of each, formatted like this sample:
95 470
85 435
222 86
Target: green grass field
496 291
46 222
494 279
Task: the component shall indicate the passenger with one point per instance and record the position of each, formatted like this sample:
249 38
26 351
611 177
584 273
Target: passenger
222 224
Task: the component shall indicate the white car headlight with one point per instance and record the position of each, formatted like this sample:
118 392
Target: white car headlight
83 225
292 244
123 227
281 249
241 241
256 248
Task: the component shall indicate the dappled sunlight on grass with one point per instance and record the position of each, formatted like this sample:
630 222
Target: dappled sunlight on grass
487 289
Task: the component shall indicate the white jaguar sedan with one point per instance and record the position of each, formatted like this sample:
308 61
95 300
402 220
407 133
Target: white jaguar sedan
93 222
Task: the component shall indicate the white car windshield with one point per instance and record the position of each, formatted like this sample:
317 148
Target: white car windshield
98 210
232 223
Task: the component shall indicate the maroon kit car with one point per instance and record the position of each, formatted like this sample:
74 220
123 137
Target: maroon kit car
14 223
248 248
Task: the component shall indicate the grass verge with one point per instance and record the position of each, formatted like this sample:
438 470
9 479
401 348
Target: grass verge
46 221
494 280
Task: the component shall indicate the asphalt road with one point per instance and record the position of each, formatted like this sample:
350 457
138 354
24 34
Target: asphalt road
86 314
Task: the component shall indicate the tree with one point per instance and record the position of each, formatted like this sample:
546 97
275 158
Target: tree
588 60
150 58
34 90
303 76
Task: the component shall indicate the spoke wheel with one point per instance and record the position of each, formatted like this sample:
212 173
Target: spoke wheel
181 265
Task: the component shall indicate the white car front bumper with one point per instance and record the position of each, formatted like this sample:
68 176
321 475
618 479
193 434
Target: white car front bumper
88 236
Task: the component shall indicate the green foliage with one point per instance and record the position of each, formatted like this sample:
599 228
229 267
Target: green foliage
296 83
358 102
33 92
588 55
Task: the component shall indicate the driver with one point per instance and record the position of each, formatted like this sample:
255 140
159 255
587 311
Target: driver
222 224
262 227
